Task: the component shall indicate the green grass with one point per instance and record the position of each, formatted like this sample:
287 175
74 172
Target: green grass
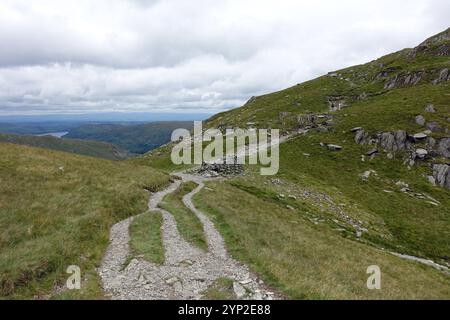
410 225
305 260
56 210
136 138
221 289
188 224
146 237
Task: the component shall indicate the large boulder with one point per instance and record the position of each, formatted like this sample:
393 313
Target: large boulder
441 173
443 148
394 141
360 137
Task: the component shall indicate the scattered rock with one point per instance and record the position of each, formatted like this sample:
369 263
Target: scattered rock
420 120
336 103
402 184
356 129
421 153
239 290
334 147
420 136
372 152
367 174
430 108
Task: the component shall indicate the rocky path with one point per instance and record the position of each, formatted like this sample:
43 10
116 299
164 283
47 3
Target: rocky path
187 271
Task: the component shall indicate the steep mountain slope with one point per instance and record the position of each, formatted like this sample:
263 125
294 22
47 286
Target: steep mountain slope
136 138
369 164
87 148
56 209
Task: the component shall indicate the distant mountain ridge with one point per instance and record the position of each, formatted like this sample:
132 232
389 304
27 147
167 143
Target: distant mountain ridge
136 138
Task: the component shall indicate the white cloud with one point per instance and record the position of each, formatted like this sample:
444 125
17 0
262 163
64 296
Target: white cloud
138 55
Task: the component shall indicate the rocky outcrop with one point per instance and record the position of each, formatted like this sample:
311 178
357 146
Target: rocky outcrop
437 45
441 174
336 103
444 75
360 136
404 80
443 148
395 141
386 73
430 108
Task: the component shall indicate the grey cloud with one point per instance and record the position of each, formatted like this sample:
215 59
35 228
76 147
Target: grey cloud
138 55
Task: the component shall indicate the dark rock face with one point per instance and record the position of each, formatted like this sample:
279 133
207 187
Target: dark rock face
441 174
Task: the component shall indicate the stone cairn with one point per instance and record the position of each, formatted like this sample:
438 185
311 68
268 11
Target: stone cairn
228 167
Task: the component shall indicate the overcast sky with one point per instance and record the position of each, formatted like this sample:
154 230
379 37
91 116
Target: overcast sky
81 56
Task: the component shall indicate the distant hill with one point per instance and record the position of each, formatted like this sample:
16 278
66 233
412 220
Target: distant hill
35 128
136 138
82 147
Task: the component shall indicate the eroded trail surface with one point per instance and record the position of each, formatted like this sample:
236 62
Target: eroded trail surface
187 271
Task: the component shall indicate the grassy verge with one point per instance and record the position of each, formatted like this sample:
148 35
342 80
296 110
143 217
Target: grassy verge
221 289
188 224
146 237
56 210
309 261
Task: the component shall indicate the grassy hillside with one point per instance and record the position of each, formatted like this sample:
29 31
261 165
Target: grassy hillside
56 210
136 138
314 228
87 148
304 254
